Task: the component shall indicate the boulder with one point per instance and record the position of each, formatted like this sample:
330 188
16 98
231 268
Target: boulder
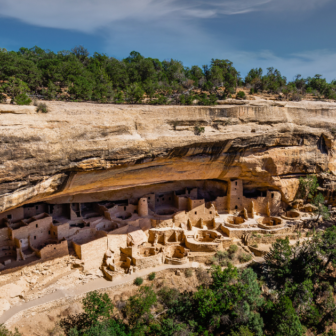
4 305
12 290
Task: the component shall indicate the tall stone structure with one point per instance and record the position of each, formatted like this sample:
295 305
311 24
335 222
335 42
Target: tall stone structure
143 207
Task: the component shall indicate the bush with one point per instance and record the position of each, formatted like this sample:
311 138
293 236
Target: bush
22 99
134 93
199 130
168 296
204 100
221 258
243 331
241 95
42 107
188 272
5 332
203 276
244 257
138 307
138 281
160 100
233 249
151 276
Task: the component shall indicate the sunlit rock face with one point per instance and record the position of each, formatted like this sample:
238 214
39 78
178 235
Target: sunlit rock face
81 152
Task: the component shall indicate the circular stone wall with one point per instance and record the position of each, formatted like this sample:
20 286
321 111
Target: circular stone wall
123 215
235 220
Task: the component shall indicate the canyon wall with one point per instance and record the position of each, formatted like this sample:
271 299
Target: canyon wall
82 152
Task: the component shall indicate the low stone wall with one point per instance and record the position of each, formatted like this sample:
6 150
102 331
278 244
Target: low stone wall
272 239
292 215
236 233
235 220
150 261
268 227
176 261
237 226
257 252
202 247
204 258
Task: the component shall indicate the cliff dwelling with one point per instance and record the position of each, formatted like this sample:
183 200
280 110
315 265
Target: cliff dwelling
120 236
97 196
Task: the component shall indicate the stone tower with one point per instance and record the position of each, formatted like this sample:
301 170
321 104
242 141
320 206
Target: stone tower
143 207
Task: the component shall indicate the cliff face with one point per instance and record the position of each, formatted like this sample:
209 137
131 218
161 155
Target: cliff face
95 151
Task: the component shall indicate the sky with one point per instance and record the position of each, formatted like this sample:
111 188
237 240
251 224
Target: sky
294 36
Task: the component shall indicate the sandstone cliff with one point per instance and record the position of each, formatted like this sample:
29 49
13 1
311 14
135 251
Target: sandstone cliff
95 151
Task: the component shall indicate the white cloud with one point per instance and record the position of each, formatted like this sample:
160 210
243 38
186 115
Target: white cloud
307 64
89 15
171 28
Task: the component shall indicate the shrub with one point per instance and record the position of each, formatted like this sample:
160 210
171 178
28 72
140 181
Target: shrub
138 307
241 95
42 107
188 273
203 276
138 281
168 296
134 93
22 99
243 331
151 276
221 258
244 257
160 100
199 130
204 100
255 245
228 122
119 98
5 332
233 249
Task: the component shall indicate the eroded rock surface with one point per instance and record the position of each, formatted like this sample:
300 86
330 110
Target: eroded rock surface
88 151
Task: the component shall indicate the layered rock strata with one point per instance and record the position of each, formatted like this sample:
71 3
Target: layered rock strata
92 152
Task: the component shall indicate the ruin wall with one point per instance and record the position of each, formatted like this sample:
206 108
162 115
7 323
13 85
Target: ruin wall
39 230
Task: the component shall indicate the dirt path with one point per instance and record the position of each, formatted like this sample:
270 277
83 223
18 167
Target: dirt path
96 284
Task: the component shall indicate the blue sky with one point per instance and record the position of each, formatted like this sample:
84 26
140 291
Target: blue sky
295 36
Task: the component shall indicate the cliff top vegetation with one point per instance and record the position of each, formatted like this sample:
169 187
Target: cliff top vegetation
78 76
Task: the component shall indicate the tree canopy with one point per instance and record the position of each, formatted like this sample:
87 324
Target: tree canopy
78 76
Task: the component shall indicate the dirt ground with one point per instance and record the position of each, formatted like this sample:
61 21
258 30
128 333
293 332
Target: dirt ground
45 322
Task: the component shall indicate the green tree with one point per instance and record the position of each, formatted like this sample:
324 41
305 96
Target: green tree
223 73
81 53
14 87
22 99
322 210
285 321
304 274
243 331
138 308
254 78
134 93
150 88
308 186
97 308
81 89
52 91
